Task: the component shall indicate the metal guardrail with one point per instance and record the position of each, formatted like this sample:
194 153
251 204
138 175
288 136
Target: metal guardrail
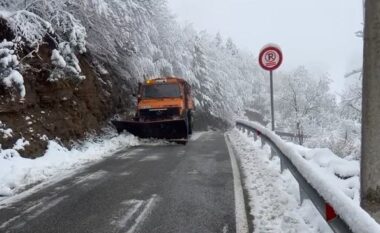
290 135
307 191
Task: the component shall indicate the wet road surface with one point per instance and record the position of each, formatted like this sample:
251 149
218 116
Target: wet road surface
147 189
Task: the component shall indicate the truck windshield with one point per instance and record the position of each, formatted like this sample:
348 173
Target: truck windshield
161 91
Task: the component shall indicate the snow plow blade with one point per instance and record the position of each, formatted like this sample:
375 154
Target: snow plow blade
168 129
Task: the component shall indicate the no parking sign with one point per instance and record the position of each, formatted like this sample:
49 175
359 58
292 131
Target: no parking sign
270 58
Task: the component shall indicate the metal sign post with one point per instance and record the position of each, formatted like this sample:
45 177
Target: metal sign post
271 99
270 58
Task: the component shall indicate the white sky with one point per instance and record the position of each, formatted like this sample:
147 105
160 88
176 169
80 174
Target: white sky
319 34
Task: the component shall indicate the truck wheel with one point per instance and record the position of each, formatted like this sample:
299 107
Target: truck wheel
190 123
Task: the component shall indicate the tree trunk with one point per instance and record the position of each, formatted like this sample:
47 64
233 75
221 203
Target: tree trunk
370 160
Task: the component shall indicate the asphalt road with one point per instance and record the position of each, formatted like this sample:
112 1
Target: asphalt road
147 189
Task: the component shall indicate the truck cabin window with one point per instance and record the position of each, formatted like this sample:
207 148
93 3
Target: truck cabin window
161 91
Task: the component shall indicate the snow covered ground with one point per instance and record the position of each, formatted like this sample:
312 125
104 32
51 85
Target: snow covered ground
273 197
18 173
335 179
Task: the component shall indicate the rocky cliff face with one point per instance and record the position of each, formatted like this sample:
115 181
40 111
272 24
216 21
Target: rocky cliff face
65 109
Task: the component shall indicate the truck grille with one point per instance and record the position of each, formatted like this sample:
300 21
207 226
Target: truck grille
159 114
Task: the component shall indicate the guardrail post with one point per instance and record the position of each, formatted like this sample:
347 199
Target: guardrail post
282 164
303 195
272 153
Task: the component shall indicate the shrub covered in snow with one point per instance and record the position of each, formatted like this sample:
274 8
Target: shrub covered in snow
66 63
9 65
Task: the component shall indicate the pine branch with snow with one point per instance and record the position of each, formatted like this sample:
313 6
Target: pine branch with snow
66 63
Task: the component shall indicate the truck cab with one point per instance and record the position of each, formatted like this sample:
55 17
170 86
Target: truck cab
164 110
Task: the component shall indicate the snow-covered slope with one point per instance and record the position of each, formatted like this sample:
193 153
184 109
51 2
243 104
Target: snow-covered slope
18 173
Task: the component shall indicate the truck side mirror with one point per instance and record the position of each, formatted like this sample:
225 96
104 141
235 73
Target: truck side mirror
136 95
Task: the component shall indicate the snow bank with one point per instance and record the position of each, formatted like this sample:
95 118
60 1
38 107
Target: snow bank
273 196
17 173
320 168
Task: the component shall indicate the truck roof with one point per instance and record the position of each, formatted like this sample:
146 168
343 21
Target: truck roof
169 79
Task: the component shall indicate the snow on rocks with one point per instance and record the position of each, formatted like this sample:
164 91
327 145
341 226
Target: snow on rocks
20 144
17 173
5 132
320 168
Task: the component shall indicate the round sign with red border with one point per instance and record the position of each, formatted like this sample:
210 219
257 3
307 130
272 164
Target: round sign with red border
270 57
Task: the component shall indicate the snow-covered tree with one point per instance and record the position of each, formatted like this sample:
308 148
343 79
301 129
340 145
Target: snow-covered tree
305 101
351 99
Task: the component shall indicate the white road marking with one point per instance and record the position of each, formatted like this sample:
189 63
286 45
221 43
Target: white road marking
240 211
9 221
40 208
151 158
93 176
225 229
125 173
47 206
196 135
145 213
133 206
27 211
193 172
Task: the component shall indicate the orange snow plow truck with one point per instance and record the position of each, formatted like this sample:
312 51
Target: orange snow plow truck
164 110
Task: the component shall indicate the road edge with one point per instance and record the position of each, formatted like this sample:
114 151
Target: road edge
240 206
